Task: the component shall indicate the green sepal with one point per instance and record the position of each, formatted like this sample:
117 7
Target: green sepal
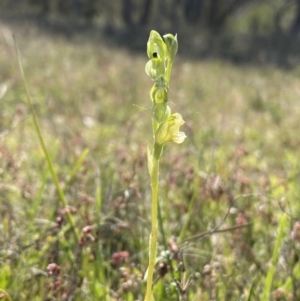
156 46
159 93
155 68
172 45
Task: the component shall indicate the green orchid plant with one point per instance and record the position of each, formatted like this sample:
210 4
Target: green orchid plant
165 125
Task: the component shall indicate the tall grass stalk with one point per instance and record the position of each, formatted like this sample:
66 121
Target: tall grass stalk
44 148
38 201
76 167
190 211
270 275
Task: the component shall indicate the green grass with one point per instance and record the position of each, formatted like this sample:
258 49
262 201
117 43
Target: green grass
94 112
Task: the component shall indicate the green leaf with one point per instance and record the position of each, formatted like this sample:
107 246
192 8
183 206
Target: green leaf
271 272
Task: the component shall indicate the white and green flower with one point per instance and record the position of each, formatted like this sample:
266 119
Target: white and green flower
169 130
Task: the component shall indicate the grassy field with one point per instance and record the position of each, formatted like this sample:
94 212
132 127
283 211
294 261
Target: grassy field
229 195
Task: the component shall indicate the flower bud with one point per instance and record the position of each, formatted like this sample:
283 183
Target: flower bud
172 45
155 68
159 93
156 47
161 112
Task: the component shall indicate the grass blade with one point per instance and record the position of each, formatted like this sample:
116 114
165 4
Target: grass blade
44 148
270 275
76 167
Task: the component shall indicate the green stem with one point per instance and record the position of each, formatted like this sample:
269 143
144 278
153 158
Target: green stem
154 233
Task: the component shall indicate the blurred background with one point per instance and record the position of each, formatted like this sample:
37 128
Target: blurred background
238 30
235 81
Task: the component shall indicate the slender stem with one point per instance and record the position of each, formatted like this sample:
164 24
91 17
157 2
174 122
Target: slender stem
154 233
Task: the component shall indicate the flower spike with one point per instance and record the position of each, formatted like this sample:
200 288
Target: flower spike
165 126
